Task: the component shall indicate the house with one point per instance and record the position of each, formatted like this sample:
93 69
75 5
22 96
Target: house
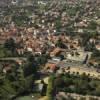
38 51
29 49
42 87
98 46
7 68
55 52
51 67
92 40
80 30
56 59
20 51
30 30
93 62
19 62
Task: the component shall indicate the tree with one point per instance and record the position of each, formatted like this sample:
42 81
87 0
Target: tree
42 59
26 75
29 83
84 76
85 38
10 45
58 82
24 82
2 52
96 53
92 25
97 92
50 88
30 68
60 44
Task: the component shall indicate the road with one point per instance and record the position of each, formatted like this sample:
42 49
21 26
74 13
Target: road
13 58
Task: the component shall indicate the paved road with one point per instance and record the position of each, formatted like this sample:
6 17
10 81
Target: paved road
13 58
27 98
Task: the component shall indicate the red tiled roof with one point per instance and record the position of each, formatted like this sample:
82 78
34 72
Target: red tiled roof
51 66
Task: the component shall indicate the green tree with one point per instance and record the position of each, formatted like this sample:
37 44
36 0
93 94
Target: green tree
31 66
2 52
97 92
96 53
60 44
10 45
92 25
50 88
